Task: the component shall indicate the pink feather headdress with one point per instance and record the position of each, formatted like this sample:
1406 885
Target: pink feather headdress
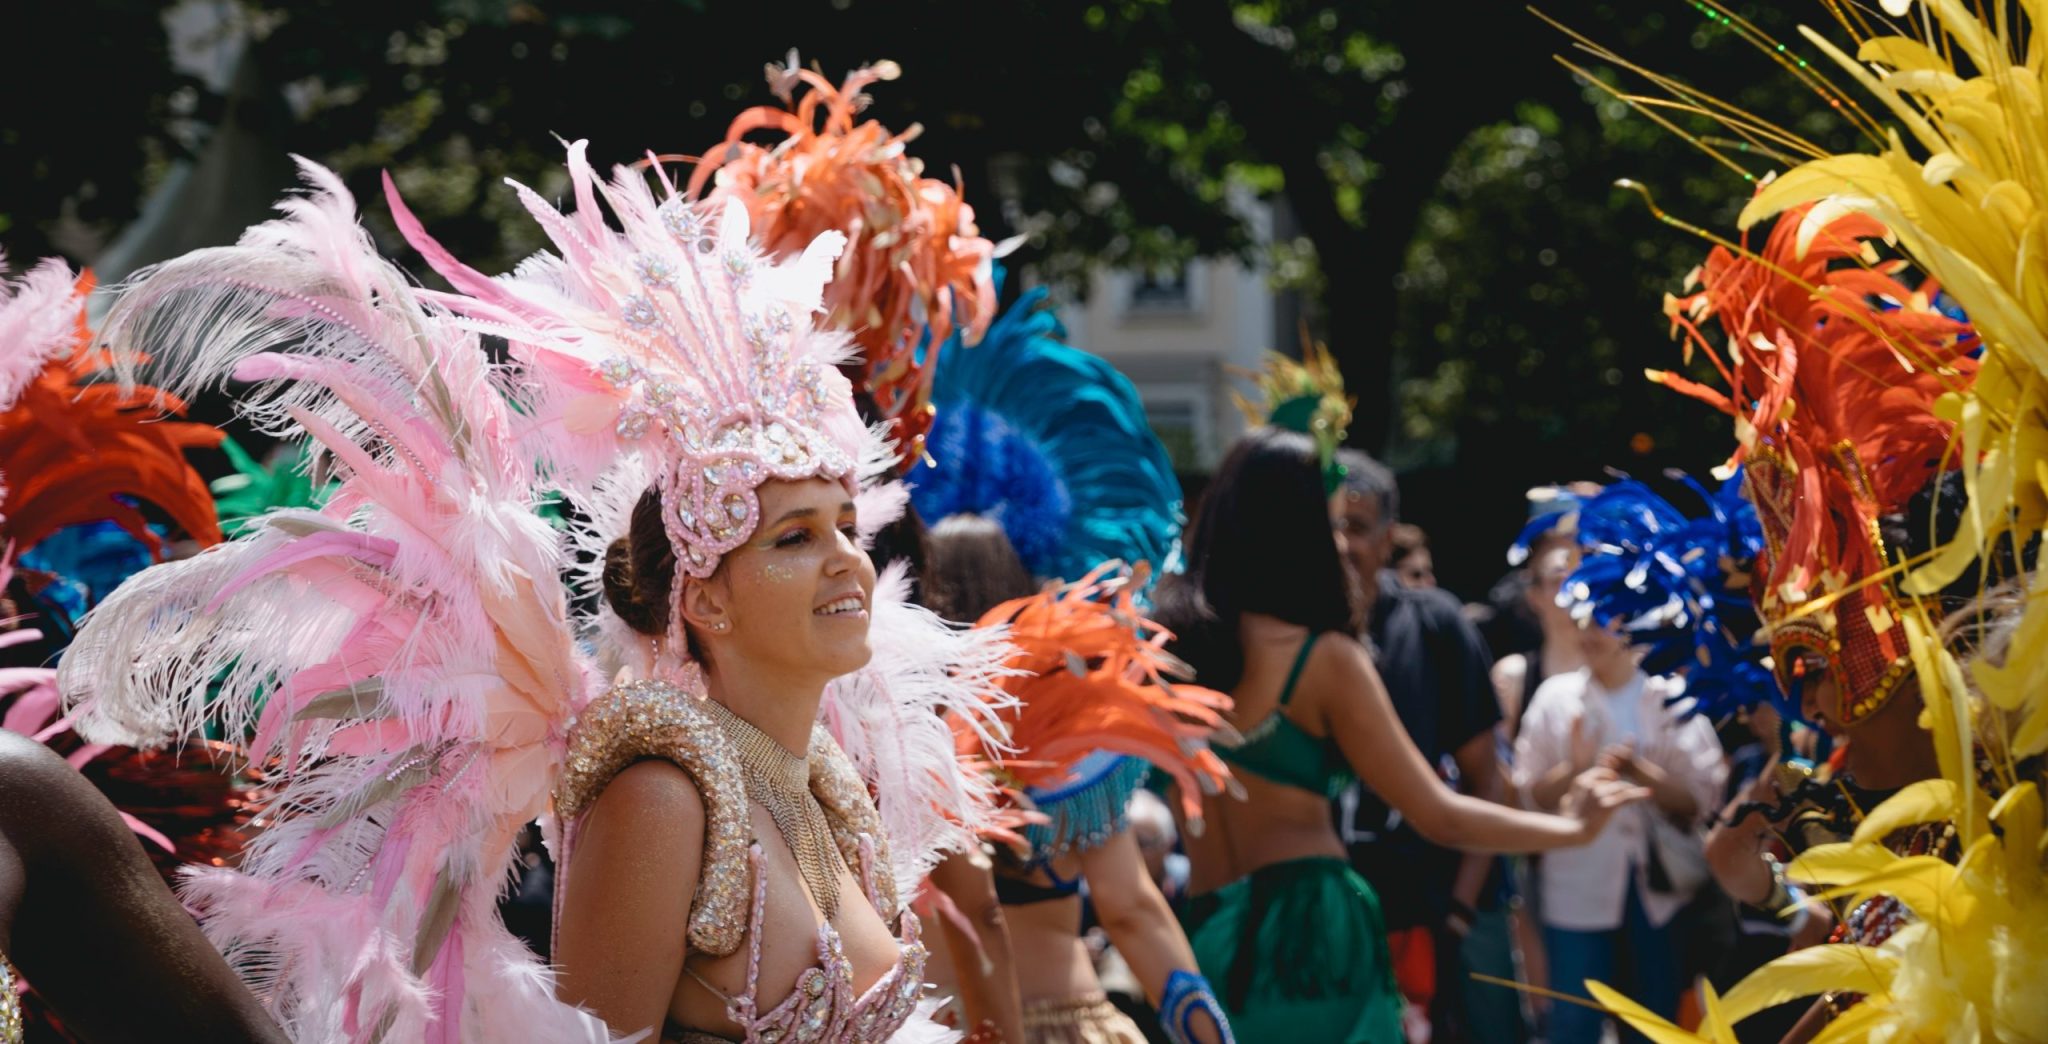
668 351
672 338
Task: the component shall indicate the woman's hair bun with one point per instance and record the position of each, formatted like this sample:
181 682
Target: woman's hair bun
623 590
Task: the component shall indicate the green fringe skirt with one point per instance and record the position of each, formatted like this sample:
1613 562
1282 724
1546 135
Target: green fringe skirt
1298 951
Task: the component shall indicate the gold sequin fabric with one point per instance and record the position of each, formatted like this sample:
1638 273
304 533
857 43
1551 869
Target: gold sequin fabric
649 719
1082 1020
844 796
10 1005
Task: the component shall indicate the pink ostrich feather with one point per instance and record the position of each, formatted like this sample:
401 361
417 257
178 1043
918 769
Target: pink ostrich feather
668 339
401 660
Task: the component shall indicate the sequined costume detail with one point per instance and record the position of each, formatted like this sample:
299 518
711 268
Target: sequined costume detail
651 719
824 1007
648 719
10 1005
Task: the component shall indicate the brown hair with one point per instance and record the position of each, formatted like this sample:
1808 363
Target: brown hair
972 568
640 570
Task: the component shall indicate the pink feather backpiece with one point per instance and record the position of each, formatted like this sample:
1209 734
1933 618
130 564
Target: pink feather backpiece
400 661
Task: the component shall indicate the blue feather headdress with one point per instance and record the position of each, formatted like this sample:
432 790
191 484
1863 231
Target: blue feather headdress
1679 588
1052 443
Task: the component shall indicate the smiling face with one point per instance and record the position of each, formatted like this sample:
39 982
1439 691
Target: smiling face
1363 536
794 600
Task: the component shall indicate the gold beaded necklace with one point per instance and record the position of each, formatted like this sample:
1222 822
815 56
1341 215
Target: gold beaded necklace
781 782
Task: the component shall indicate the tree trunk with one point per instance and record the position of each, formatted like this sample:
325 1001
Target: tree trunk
1290 120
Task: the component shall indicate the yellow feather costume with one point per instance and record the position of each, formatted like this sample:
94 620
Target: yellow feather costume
1962 181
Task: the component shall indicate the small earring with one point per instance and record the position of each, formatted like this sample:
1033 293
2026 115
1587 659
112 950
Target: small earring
720 626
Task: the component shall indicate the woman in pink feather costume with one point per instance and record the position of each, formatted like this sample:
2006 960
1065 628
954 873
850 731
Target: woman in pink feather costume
744 812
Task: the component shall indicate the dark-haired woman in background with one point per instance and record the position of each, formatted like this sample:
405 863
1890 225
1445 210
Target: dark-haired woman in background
1291 936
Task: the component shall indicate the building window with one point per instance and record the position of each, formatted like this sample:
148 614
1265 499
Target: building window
1158 291
1164 291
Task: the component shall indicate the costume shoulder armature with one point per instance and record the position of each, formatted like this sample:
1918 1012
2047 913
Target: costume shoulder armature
648 719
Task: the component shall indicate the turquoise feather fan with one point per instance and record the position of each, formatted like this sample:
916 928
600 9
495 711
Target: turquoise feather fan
1053 443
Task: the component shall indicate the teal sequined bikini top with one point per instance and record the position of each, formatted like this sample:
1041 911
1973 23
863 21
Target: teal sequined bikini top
1283 752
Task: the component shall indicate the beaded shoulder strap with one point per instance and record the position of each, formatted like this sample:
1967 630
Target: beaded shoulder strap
650 719
844 796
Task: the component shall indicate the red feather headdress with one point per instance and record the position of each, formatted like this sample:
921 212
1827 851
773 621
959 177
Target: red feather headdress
1091 673
72 445
1833 366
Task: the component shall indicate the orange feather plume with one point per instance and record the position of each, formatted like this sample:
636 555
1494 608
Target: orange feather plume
1093 675
915 259
1833 366
70 445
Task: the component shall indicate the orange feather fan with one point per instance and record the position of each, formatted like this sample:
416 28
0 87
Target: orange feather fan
915 265
1092 674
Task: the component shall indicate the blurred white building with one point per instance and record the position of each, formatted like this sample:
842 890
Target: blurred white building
1185 336
1179 336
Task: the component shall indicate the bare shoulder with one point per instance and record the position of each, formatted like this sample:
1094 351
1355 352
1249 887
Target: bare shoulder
42 795
1510 671
652 804
651 786
1338 659
1340 682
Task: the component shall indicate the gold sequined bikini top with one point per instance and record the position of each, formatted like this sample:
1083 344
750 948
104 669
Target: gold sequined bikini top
651 719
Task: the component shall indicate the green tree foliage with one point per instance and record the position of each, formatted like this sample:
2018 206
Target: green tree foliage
1448 209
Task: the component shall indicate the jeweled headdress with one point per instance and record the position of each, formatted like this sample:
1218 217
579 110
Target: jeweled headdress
915 266
668 351
669 337
1834 366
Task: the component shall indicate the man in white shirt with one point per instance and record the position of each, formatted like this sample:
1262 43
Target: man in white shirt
1607 907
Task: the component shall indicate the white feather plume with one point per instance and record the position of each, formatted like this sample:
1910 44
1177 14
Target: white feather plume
889 718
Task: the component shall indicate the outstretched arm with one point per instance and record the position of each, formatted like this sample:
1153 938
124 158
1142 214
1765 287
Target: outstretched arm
1378 748
1143 927
96 930
626 904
